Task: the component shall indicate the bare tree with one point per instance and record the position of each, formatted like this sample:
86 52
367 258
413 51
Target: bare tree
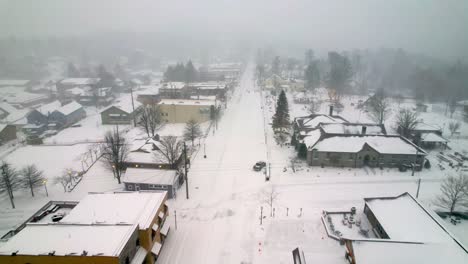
150 120
269 197
192 131
9 181
454 127
31 178
63 180
115 152
379 107
171 148
454 192
406 121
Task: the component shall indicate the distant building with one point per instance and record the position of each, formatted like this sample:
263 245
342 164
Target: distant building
183 110
426 135
120 228
136 179
123 112
420 107
217 89
174 90
7 133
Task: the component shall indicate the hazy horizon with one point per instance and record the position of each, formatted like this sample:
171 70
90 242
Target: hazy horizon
434 28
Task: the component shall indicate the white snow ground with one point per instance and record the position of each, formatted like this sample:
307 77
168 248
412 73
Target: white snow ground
220 222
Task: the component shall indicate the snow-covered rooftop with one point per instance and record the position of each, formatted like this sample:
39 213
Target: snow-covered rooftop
353 129
150 176
79 81
428 127
49 108
173 85
186 102
403 219
370 252
114 208
432 137
382 144
69 108
315 120
312 137
65 239
125 103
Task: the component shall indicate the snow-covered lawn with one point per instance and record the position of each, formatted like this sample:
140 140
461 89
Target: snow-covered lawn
53 160
89 129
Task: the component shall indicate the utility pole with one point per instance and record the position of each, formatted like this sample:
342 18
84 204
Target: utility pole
261 215
419 185
7 182
186 173
133 106
175 219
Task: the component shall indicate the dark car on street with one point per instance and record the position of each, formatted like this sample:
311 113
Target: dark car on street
259 165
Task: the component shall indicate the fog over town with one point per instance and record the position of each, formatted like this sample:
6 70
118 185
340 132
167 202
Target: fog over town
222 131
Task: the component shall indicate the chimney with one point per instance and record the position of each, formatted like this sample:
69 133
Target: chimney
363 130
331 110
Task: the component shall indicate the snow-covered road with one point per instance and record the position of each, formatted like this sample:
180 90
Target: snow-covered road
220 221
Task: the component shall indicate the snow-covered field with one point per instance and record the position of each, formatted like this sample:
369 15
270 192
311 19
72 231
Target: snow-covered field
220 223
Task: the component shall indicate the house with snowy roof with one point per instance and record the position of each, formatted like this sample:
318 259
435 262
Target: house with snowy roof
119 227
390 230
426 135
54 116
149 153
364 150
136 179
123 111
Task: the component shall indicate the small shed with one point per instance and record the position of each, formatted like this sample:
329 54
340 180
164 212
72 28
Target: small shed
136 179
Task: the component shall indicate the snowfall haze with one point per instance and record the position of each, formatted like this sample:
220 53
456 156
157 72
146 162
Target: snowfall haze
234 131
429 27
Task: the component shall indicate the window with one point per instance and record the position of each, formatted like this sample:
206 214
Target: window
138 242
316 155
351 156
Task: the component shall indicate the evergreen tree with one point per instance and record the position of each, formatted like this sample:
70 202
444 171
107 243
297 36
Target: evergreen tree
190 72
281 117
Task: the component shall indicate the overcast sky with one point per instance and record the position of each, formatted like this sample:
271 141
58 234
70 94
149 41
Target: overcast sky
428 26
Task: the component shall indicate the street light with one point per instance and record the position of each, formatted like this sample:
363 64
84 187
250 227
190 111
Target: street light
45 186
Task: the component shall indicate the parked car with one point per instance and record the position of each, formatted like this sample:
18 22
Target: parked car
57 217
259 165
